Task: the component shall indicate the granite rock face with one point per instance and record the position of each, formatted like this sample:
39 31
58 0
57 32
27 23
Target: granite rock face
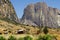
40 14
7 11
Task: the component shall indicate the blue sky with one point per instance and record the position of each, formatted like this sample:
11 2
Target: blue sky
19 5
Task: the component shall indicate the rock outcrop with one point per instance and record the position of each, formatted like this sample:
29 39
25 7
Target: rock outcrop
7 11
40 14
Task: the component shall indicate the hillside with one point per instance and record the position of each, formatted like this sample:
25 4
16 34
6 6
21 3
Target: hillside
8 28
7 10
35 16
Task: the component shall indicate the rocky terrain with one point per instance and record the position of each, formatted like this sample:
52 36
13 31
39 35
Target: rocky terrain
40 14
9 20
7 11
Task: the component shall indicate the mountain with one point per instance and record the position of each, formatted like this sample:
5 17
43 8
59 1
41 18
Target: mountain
7 11
40 14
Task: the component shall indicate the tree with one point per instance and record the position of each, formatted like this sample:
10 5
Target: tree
45 30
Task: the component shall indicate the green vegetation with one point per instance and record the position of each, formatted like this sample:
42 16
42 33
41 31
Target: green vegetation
45 30
2 38
46 37
12 38
28 38
21 39
40 38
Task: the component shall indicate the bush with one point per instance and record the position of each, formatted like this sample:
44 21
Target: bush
28 38
11 38
21 39
46 37
40 38
45 30
2 38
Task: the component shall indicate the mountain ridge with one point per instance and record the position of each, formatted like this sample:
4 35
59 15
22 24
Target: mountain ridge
7 10
41 15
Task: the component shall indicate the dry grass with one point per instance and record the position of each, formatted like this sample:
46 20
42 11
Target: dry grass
32 30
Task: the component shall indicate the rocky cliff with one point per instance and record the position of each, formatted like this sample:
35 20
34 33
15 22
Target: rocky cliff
40 14
7 11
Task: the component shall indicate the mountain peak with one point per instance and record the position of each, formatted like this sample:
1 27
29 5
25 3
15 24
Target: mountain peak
7 10
41 15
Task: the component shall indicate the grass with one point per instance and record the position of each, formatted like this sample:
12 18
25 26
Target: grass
12 38
10 21
31 30
27 37
21 38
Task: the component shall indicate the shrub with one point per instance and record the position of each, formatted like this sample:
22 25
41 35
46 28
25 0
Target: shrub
21 39
40 38
28 38
45 30
46 37
2 38
11 38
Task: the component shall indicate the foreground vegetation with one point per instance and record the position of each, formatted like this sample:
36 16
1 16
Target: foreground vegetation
33 33
45 37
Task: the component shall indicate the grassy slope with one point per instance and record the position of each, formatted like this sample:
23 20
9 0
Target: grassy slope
32 30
